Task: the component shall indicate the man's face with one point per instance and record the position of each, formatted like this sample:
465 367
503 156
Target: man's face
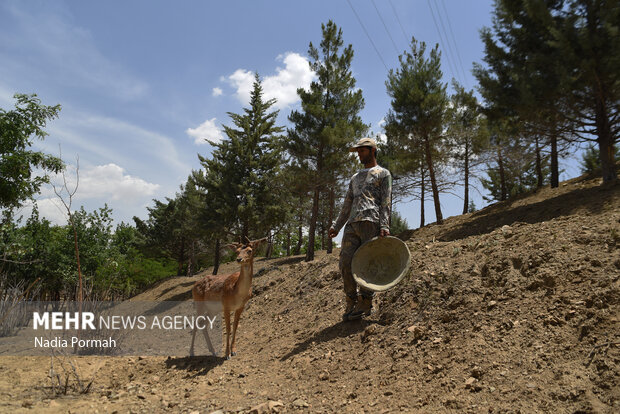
364 154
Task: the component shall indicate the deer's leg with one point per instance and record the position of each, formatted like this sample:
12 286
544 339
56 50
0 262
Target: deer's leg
234 332
227 320
191 347
205 332
199 311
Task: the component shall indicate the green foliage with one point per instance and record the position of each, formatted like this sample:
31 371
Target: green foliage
18 128
415 122
468 138
418 96
159 234
242 181
329 120
111 263
553 66
281 242
516 161
327 124
591 160
398 223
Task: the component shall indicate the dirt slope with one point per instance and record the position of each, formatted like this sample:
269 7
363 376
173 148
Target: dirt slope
514 308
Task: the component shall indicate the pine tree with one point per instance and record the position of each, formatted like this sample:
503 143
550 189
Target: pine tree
553 64
522 81
512 171
401 155
467 136
419 102
589 45
398 223
241 180
162 233
590 160
327 124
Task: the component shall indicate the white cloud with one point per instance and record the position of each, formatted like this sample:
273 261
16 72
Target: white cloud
206 130
217 92
101 184
109 182
242 81
282 86
49 208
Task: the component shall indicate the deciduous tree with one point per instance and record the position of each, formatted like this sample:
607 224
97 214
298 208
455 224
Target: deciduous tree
18 130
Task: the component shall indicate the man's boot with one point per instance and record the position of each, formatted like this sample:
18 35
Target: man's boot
362 308
351 301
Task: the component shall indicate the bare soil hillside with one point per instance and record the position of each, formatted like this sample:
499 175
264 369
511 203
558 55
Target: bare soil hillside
512 309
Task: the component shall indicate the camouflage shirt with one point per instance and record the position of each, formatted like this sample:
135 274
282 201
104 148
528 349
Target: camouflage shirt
368 198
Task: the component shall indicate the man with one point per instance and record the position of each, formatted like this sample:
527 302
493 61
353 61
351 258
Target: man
366 212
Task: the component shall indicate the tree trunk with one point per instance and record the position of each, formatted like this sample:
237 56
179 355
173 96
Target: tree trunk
539 172
422 194
605 143
191 262
555 169
269 245
502 174
300 239
431 172
313 219
466 195
300 232
315 205
79 267
181 258
332 202
216 259
288 242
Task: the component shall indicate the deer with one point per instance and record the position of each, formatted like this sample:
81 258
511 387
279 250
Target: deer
231 292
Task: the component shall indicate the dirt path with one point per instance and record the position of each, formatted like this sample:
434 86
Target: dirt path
511 309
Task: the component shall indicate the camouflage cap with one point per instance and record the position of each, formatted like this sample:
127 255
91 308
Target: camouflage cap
364 142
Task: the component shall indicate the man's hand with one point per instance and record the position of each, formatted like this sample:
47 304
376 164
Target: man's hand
384 233
332 233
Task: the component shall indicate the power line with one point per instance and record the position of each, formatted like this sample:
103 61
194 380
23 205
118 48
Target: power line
441 38
449 45
369 38
458 55
385 26
399 23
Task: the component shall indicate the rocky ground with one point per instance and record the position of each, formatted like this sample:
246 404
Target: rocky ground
512 309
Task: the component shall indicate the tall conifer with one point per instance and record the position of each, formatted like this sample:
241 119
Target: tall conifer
241 179
419 102
328 122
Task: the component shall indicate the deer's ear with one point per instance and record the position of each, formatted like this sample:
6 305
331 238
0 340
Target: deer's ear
231 246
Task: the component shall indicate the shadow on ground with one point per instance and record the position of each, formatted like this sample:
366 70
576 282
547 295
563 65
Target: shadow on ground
197 365
339 330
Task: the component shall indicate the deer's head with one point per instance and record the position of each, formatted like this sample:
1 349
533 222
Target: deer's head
245 251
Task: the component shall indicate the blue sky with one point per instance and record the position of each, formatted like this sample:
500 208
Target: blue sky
142 83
